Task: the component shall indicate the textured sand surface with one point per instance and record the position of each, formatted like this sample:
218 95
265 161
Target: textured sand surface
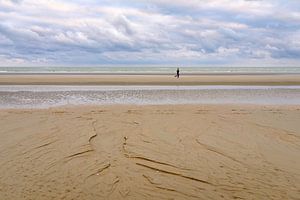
149 80
151 152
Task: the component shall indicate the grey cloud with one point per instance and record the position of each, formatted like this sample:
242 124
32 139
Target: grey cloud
63 32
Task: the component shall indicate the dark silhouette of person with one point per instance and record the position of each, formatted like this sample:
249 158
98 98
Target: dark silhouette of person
177 73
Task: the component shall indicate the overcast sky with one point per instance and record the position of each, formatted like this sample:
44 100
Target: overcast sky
157 32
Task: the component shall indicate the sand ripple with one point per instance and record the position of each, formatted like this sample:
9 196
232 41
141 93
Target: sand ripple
151 152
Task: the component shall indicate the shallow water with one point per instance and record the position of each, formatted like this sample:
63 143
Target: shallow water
49 96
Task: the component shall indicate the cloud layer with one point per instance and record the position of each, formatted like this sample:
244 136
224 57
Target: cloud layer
194 32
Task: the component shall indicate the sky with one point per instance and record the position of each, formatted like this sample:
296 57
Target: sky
153 32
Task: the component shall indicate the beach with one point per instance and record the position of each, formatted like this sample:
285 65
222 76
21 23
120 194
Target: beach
151 152
150 100
110 79
149 137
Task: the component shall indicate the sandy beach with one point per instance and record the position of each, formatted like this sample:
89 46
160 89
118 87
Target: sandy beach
150 152
66 79
150 100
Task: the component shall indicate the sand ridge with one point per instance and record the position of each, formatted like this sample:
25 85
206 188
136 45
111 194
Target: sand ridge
150 152
93 79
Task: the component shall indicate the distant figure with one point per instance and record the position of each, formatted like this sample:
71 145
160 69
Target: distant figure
177 73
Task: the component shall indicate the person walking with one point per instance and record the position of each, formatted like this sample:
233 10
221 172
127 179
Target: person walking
177 73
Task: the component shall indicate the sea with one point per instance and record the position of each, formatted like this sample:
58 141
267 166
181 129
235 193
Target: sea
149 70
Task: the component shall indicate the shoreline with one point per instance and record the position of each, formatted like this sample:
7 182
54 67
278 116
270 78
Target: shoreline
94 79
226 106
147 74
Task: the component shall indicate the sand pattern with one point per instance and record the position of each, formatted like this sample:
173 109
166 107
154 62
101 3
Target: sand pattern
151 152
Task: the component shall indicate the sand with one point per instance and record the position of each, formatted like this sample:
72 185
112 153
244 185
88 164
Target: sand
150 152
149 80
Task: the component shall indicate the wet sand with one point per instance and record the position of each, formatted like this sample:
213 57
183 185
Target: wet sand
236 79
150 152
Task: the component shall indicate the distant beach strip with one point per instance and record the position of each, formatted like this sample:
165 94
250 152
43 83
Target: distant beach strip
92 79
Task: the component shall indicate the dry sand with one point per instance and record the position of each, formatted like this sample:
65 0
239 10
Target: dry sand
149 80
151 152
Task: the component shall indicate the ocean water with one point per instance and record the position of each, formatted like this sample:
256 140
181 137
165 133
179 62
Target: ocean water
50 96
152 70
